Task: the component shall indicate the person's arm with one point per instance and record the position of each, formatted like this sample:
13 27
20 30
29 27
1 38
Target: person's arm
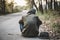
39 22
21 21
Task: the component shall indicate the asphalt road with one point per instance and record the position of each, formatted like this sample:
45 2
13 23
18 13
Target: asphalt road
9 27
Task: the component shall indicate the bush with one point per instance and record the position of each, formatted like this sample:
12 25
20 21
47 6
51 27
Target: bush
56 26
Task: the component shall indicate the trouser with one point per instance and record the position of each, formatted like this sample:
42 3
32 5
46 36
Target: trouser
21 27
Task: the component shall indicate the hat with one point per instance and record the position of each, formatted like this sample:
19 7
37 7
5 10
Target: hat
32 11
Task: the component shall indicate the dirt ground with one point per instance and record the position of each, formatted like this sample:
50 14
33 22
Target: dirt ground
47 26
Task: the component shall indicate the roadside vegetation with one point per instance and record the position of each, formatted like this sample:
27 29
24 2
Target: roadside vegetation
50 22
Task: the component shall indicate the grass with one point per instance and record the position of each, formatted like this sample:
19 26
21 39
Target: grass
51 16
48 15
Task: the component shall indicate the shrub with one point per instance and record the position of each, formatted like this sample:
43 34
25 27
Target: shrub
56 26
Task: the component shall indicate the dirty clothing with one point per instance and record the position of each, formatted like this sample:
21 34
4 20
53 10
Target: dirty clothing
31 25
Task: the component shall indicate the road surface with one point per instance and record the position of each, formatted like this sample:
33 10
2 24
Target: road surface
9 27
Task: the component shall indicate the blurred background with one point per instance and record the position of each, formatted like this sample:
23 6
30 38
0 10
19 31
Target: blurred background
47 10
10 6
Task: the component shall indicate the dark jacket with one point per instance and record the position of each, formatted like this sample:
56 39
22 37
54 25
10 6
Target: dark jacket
21 21
31 25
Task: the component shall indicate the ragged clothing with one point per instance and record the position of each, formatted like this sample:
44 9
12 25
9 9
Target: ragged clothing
31 25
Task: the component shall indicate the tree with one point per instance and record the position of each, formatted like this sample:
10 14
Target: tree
2 6
9 6
46 5
34 4
51 4
31 4
5 7
40 6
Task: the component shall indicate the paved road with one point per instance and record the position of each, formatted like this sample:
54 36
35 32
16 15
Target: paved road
9 27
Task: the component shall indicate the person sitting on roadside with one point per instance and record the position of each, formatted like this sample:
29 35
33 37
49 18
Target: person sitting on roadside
29 24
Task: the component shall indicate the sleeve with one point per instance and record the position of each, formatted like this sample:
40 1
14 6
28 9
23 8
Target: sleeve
39 22
21 21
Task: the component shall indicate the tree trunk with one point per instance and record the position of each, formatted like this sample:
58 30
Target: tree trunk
0 6
54 4
46 5
3 6
40 6
51 4
35 5
31 3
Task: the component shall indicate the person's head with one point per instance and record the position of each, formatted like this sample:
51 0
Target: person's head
32 11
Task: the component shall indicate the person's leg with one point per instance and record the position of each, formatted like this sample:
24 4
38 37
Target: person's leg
21 27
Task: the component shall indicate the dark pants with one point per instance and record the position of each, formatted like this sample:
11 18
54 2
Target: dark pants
21 27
